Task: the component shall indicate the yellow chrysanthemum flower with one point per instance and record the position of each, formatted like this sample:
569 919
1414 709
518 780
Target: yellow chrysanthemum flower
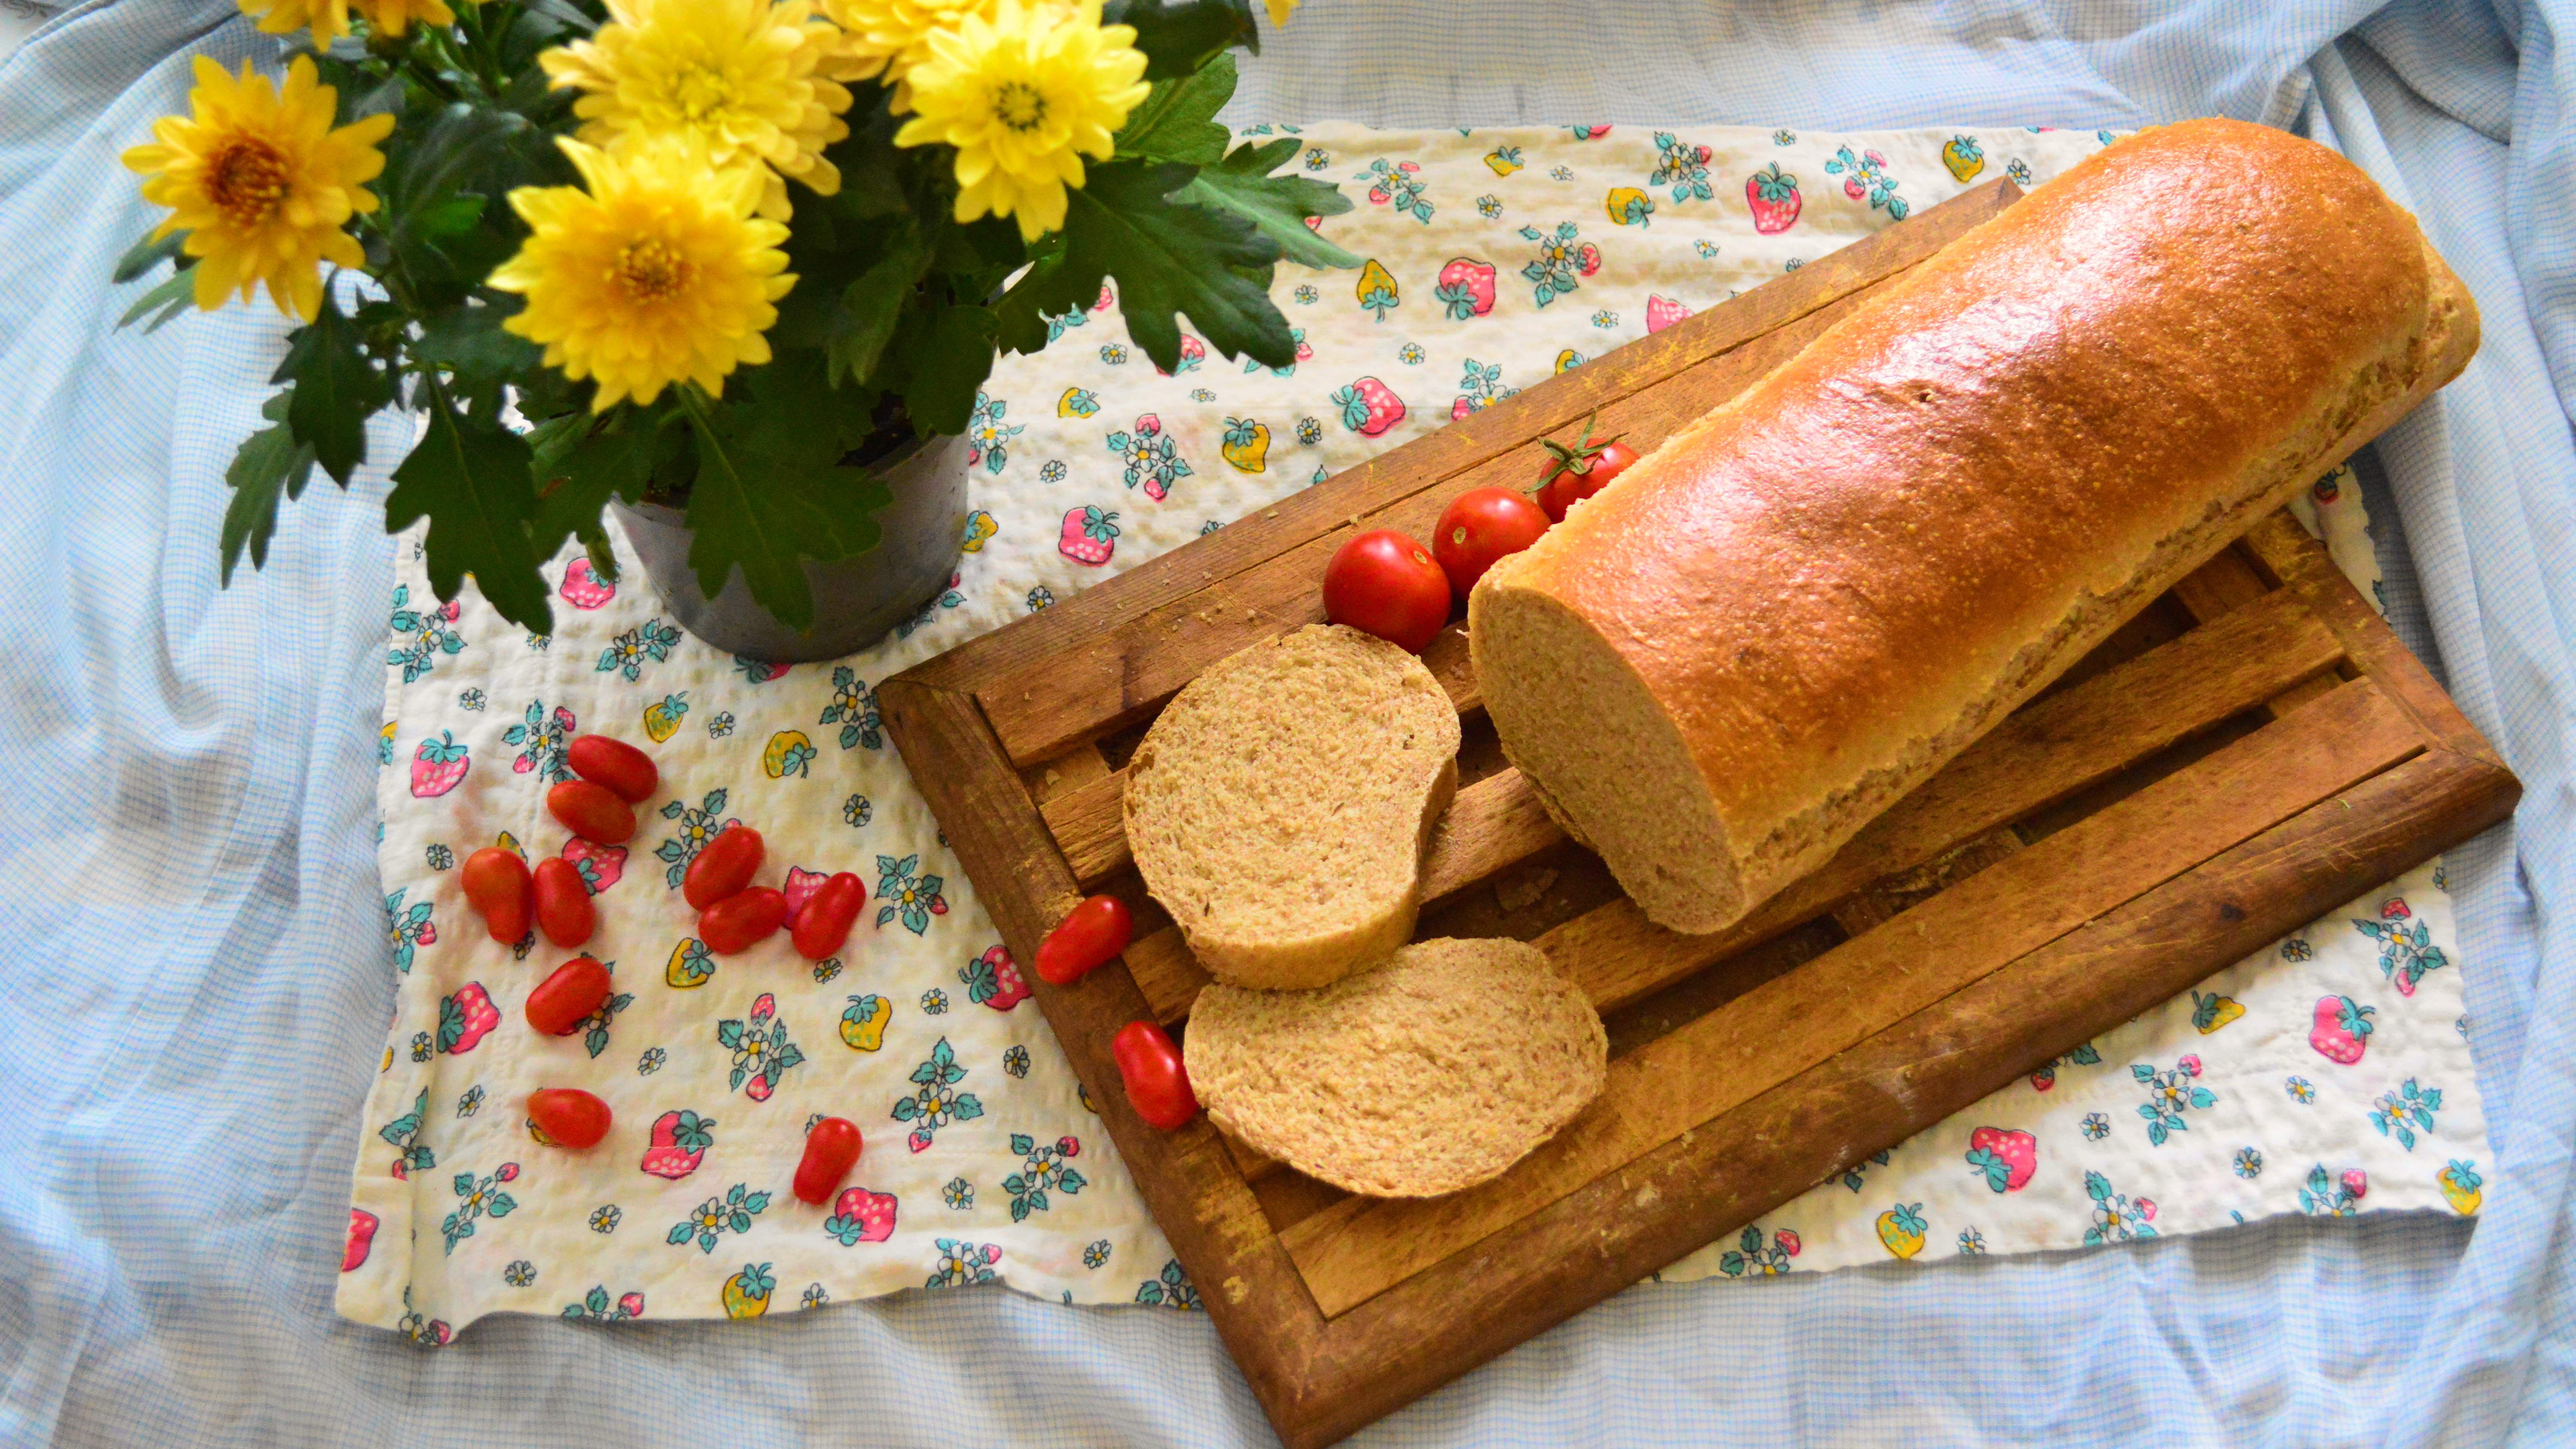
262 183
751 80
893 36
393 17
327 18
659 273
1023 97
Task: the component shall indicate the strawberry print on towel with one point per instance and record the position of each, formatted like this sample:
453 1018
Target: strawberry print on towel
1496 259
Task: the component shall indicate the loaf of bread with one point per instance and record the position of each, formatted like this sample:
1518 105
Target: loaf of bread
1799 607
1424 1075
1280 805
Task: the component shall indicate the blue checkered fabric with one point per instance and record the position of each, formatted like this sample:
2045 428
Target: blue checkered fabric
193 967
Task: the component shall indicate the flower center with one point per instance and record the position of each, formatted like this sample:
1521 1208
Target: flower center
1018 105
247 179
702 90
651 269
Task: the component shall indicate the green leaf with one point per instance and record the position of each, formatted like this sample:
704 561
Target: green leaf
172 297
470 477
145 254
606 458
469 339
1050 287
1177 120
1170 258
268 463
1277 205
336 389
869 309
770 492
1180 36
947 355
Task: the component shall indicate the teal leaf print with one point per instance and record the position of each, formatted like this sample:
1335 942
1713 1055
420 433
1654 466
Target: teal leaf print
1866 175
854 709
408 927
731 1213
2401 1110
1152 460
902 896
1041 1169
1562 260
1398 187
478 1197
963 1263
2327 1196
542 741
762 1054
987 440
1681 166
1857 1173
1751 1255
2116 1219
936 1102
594 1027
2170 1094
421 636
2406 949
697 826
404 1133
1171 1288
594 1307
647 643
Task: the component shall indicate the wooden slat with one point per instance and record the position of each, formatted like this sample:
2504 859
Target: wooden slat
1706 1184
1111 654
1358 1249
2052 747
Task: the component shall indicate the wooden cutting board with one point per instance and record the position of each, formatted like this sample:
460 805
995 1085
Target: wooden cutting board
2251 751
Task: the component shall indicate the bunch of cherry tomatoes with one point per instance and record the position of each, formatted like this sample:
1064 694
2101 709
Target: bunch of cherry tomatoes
1386 583
733 916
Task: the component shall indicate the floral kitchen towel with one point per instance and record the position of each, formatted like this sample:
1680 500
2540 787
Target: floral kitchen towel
2328 1075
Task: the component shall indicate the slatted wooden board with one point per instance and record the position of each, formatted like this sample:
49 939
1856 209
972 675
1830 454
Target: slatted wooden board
2251 751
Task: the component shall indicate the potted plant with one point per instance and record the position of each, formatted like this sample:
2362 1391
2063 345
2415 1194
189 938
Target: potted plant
735 267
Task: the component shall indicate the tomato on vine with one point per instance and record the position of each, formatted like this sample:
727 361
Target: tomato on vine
1580 471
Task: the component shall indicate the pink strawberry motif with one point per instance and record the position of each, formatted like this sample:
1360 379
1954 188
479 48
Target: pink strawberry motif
1193 353
1788 1241
993 979
362 1240
1149 424
2356 1182
1587 259
1461 407
2342 1030
438 766
584 589
450 610
800 888
1589 133
1466 288
1369 407
1089 536
758 671
680 1142
2007 1158
465 1018
872 1213
2146 1207
1107 300
1663 312
1773 195
600 865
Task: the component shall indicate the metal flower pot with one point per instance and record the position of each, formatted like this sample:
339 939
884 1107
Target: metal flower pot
856 600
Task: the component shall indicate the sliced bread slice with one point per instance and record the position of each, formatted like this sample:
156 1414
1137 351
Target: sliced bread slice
1280 806
1423 1076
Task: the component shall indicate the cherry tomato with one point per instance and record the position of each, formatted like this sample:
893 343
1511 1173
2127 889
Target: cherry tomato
498 886
593 812
724 866
572 1117
1580 471
562 1002
1479 528
1158 1086
742 920
1085 939
564 911
825 922
1384 583
831 1149
616 764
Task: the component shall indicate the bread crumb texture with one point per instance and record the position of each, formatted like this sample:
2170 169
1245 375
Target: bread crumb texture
1425 1075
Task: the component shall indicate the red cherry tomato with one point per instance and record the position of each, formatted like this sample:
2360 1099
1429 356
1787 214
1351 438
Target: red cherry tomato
562 1002
1481 527
593 812
831 1149
564 911
616 764
1085 939
825 922
724 866
742 920
498 886
1158 1086
1384 583
1580 471
573 1118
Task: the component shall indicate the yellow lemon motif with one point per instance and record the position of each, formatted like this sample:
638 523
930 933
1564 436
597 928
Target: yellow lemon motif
979 527
510 843
1376 290
1568 360
1077 402
661 721
2462 1188
1246 445
1628 206
1504 160
863 1025
690 966
746 1294
1964 157
787 753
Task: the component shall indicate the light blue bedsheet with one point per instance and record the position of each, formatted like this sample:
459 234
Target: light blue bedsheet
193 968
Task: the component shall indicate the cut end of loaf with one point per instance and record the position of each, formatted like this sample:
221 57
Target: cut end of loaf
1280 806
1425 1075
